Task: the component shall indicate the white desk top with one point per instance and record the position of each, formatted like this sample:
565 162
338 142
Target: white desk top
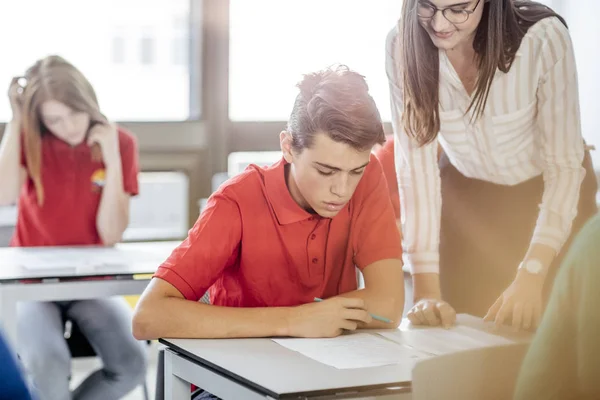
123 259
277 371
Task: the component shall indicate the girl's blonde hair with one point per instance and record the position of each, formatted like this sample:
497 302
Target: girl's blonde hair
53 78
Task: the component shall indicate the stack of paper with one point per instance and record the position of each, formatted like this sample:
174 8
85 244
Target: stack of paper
406 344
438 341
358 350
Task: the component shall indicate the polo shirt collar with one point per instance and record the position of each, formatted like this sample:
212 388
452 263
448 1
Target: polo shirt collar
283 204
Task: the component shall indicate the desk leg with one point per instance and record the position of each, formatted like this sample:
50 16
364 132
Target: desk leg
175 387
8 317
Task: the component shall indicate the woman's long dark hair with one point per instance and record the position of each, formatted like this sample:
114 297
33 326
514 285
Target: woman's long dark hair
503 25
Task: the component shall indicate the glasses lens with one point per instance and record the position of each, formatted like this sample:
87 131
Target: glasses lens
456 16
425 10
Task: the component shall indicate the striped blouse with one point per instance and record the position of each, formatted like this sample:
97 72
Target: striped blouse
530 126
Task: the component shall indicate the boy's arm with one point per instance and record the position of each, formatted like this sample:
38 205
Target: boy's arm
163 312
383 293
378 251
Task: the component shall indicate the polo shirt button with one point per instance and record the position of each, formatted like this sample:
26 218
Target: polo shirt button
315 260
313 236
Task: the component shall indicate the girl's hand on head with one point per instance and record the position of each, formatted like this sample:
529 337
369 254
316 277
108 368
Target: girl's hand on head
15 96
106 136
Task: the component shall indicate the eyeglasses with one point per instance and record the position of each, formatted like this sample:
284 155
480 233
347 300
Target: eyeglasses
453 14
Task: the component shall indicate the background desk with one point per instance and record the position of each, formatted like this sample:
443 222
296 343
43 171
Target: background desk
62 284
260 368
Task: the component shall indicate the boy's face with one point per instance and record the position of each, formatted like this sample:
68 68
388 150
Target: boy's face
322 179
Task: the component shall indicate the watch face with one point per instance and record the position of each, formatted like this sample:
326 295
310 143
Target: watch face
534 266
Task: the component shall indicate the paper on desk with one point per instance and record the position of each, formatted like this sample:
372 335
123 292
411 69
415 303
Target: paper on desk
78 258
437 341
357 350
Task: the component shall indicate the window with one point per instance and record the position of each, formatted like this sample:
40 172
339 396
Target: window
274 42
147 47
180 42
118 49
122 46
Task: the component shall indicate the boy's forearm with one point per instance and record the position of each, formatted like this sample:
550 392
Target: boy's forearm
387 305
179 318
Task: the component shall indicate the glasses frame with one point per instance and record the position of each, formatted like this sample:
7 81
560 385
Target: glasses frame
443 11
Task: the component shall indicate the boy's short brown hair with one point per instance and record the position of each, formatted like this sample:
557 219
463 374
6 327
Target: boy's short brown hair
335 101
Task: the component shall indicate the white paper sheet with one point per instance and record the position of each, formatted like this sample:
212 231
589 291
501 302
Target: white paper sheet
437 341
358 350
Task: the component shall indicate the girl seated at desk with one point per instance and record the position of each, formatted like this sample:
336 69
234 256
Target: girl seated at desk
72 172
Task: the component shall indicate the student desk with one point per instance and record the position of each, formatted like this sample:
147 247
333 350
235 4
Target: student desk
122 277
262 369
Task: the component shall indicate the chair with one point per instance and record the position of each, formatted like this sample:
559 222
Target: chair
80 347
489 373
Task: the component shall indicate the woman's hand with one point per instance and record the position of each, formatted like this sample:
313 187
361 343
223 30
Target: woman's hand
429 308
522 299
432 312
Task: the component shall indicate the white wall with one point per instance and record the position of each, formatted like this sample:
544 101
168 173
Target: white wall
584 24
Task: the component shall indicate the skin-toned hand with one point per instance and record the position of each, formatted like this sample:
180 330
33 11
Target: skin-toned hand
429 308
522 299
107 137
328 318
432 312
15 91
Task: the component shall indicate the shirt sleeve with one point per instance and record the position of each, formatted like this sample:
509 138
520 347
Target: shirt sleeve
562 142
377 235
211 246
418 176
129 162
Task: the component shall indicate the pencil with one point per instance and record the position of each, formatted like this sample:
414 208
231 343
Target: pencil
377 317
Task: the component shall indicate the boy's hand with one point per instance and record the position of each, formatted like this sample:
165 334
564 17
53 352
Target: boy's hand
328 318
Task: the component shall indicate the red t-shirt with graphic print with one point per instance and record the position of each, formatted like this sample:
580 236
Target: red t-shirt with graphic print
72 192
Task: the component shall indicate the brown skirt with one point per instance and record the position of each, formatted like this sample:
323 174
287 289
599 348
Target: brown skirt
486 230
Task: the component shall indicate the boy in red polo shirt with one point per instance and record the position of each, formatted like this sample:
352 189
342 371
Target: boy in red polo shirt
273 239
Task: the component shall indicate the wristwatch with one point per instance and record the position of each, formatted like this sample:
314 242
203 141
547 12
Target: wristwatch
533 266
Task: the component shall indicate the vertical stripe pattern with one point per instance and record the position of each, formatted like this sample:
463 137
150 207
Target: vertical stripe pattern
530 126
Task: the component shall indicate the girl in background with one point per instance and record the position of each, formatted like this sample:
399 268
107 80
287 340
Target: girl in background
72 173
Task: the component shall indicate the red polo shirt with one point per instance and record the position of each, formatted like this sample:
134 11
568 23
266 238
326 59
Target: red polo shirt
254 246
385 154
72 191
